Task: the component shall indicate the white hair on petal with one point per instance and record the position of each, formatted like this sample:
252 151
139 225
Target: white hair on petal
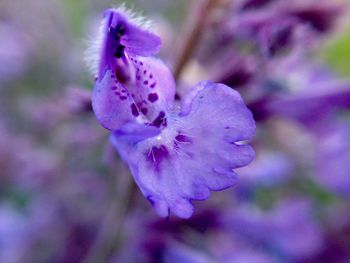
92 55
135 18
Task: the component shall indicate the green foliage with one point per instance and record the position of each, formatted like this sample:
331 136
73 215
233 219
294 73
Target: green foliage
337 54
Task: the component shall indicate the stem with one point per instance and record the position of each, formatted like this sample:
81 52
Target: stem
109 234
193 29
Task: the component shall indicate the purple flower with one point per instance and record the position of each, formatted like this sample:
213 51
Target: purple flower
320 16
253 4
268 170
177 153
15 52
271 27
195 153
311 95
239 72
302 91
122 38
289 228
295 231
332 156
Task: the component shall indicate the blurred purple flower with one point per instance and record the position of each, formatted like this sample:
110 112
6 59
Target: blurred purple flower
27 235
313 96
336 247
180 253
12 235
273 23
240 71
268 30
308 92
269 169
15 52
295 231
332 156
163 144
289 228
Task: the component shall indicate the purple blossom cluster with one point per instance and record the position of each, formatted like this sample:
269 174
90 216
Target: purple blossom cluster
239 110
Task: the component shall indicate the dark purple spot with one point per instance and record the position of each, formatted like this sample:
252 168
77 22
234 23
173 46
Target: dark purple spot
227 127
138 77
160 119
114 88
280 40
141 63
118 31
322 19
117 93
153 85
123 97
144 111
145 71
151 76
190 155
119 51
150 200
123 91
134 110
254 4
145 82
156 155
139 106
152 97
182 138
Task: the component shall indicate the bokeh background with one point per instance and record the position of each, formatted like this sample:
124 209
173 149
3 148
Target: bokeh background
66 197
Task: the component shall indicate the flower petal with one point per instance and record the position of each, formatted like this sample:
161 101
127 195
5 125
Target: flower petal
134 38
195 153
142 100
154 88
112 102
116 110
120 36
140 42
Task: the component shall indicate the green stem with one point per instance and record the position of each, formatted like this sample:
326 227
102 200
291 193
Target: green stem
193 29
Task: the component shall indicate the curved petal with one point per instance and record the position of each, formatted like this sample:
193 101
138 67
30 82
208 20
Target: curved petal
142 100
121 35
195 153
136 39
140 42
153 88
112 102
